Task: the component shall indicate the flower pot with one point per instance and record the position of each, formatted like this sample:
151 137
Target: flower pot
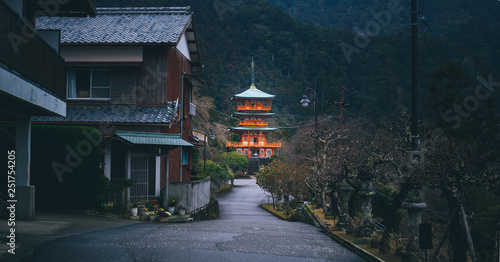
182 212
163 219
142 211
171 210
133 211
153 218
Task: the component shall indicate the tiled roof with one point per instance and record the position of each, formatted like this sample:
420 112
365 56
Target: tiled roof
144 138
114 114
125 25
254 128
254 93
253 114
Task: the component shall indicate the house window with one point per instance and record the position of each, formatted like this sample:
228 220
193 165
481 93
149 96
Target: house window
89 84
185 156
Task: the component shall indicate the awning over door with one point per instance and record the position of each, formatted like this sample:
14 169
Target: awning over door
146 138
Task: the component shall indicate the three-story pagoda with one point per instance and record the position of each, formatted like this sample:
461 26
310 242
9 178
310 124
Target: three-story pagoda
253 108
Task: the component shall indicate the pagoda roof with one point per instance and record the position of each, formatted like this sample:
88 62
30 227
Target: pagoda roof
254 92
254 128
253 114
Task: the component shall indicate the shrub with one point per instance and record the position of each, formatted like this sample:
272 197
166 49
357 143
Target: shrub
234 160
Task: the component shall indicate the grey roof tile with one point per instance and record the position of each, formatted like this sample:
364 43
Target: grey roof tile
126 25
114 114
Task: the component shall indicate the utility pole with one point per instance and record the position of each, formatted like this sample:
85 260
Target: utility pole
341 106
414 76
414 202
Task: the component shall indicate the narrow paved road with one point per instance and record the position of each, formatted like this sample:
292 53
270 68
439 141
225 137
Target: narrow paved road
244 233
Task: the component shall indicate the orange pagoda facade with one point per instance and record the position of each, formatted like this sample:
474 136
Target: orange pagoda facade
253 108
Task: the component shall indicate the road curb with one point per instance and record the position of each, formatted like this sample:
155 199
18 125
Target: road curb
272 213
351 246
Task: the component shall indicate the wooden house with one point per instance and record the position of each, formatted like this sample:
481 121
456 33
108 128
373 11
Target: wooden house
129 74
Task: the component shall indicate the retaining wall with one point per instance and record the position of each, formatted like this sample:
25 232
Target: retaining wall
192 195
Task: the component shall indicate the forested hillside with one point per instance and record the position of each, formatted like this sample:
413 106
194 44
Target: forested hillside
291 55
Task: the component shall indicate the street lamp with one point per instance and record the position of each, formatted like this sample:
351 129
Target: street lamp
305 102
212 136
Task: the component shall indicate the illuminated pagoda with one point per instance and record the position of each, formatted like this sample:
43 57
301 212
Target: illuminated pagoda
253 107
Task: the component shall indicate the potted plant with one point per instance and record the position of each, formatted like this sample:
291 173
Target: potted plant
133 209
163 216
153 216
141 209
171 204
181 210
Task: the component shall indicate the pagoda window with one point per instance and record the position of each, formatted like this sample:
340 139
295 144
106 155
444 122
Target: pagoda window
265 103
245 138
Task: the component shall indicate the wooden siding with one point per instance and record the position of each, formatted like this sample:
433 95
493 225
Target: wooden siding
29 55
123 86
177 64
151 89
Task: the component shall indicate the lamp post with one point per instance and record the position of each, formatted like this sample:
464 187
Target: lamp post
305 102
212 136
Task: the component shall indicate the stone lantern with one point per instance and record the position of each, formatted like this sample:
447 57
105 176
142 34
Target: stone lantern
365 192
346 190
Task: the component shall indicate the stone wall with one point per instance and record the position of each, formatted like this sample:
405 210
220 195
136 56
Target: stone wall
208 212
192 195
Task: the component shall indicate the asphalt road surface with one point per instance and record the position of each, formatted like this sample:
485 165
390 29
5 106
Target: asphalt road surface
243 233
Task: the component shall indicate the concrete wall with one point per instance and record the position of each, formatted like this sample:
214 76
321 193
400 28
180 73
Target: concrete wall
192 195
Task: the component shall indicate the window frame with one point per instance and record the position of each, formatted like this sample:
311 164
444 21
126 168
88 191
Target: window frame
90 86
185 156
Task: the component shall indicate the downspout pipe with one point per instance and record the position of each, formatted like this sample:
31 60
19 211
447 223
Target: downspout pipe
182 121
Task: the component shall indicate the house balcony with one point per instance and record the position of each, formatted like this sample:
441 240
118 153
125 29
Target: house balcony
20 44
253 144
192 109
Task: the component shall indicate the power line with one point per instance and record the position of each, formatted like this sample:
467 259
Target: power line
424 22
291 127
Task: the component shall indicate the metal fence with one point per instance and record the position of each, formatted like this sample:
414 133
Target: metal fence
139 173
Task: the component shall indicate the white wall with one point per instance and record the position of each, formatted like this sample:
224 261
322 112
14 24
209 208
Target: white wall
182 46
192 195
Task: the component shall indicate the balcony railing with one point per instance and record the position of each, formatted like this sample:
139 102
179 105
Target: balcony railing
252 144
192 109
26 54
256 107
253 123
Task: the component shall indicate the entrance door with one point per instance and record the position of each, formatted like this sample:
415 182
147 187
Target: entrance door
255 153
139 173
